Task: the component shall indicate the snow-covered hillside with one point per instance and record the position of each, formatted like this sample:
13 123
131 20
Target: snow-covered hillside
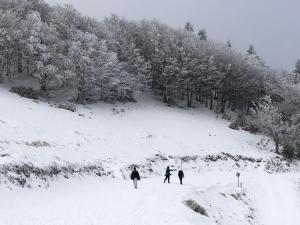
105 139
34 131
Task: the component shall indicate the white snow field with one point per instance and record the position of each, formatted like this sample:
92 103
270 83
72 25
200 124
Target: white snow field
123 131
153 136
266 199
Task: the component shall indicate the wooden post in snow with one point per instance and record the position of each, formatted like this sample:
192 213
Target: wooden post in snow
238 177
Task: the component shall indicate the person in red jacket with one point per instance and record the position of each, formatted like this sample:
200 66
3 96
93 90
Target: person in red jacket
135 176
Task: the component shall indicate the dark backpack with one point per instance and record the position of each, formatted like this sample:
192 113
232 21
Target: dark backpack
135 175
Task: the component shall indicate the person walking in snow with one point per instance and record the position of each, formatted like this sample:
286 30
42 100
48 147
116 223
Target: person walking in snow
135 176
168 174
180 175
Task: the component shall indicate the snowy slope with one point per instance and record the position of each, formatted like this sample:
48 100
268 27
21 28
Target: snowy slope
153 136
124 131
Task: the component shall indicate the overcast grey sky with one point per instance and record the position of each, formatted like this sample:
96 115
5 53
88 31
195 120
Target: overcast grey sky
272 26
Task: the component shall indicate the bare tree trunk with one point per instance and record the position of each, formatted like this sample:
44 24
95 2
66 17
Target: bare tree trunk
277 148
165 97
211 101
275 138
20 65
223 103
218 100
189 98
7 65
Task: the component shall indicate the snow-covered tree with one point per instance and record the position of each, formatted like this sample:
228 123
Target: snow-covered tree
202 35
189 27
251 50
297 72
82 59
229 45
271 122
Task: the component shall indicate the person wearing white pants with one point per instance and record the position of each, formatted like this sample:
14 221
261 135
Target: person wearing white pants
135 183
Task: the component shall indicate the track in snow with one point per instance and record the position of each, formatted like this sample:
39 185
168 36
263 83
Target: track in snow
277 199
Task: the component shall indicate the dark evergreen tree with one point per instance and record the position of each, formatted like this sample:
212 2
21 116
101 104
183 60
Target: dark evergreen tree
202 35
189 27
297 72
229 44
251 50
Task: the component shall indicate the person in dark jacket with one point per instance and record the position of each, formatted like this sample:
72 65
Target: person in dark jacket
135 176
168 174
180 175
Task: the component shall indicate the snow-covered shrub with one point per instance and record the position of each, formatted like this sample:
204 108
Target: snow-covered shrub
277 165
26 92
24 174
38 144
237 196
67 106
193 205
226 116
223 156
235 125
251 128
245 123
187 159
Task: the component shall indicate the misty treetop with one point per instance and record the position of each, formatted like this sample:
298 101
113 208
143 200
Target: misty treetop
85 60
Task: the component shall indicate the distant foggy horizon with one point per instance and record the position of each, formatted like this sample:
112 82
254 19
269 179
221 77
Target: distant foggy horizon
270 25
